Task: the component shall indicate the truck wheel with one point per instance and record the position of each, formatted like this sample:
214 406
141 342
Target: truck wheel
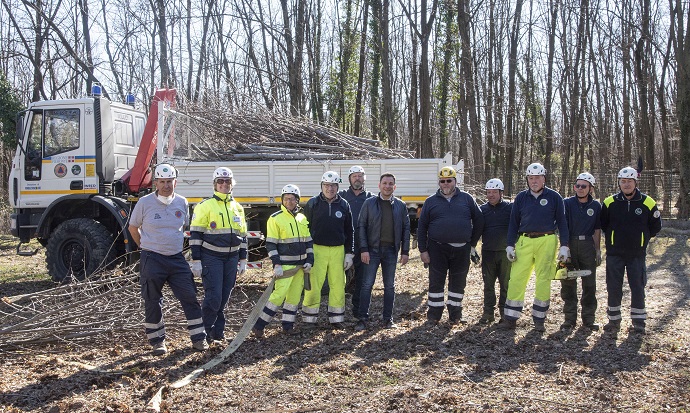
79 247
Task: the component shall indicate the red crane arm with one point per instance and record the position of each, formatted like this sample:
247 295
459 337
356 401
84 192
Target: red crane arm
140 175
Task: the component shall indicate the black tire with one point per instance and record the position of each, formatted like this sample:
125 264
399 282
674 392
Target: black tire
78 248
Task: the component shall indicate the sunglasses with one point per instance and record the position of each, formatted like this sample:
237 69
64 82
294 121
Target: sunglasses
445 181
581 186
223 181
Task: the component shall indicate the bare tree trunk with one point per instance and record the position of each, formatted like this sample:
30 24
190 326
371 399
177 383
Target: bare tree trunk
294 54
512 104
464 27
682 54
38 49
203 53
111 60
387 78
161 20
548 122
360 71
314 53
375 67
448 12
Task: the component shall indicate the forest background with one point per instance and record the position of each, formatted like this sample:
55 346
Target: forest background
575 84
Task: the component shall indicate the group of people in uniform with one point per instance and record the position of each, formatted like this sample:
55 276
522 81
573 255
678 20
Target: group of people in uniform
358 231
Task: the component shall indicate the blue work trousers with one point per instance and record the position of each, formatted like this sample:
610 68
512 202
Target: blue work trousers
387 258
453 263
218 276
358 275
155 271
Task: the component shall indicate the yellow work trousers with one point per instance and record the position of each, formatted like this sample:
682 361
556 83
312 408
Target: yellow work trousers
286 293
536 254
328 261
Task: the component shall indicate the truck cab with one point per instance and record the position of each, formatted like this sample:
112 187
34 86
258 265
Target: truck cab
69 152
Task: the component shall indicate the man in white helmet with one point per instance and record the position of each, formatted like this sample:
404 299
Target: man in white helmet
331 227
218 240
495 264
355 195
537 213
156 225
629 219
582 212
290 249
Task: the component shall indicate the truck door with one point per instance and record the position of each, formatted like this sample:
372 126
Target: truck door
54 158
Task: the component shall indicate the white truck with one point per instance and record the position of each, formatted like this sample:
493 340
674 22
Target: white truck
81 164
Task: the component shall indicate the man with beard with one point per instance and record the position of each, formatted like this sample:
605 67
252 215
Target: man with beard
629 219
355 195
537 213
384 231
449 227
582 212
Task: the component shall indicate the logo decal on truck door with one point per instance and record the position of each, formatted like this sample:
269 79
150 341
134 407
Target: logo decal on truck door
76 169
60 170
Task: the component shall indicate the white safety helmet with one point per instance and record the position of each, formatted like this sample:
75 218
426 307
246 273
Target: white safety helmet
586 176
494 183
290 189
331 177
628 172
356 170
536 169
222 172
165 171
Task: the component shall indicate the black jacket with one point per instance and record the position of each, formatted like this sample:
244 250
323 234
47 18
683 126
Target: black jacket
331 224
370 225
629 224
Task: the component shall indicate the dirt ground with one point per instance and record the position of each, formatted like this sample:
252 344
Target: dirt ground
461 368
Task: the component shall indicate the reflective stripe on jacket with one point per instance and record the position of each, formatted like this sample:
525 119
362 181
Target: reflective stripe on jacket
219 227
288 240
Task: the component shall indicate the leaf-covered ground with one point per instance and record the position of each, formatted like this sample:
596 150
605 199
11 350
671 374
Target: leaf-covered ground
463 368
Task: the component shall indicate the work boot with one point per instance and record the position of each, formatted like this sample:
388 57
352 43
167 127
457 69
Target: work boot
567 325
430 323
361 325
638 328
200 345
507 324
309 326
487 318
258 332
338 326
159 349
539 326
612 326
591 325
389 324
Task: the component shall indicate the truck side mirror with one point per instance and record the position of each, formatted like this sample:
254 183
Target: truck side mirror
20 127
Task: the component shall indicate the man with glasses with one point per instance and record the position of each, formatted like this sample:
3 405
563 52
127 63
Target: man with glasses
582 212
156 226
355 195
331 227
289 247
449 227
218 242
537 213
629 219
